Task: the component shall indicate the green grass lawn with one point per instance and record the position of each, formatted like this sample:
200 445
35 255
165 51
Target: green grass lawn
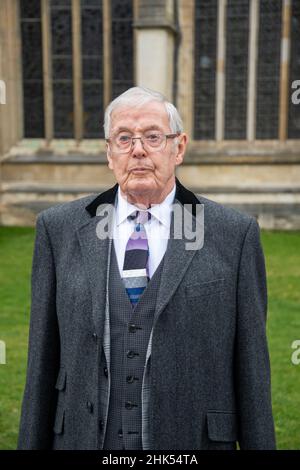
282 251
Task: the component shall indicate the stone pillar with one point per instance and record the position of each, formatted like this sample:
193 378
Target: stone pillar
186 58
10 72
155 41
284 69
3 78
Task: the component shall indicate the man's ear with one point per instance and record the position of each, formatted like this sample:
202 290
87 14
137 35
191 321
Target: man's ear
109 158
181 148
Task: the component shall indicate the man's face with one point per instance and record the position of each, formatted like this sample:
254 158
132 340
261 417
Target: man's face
140 171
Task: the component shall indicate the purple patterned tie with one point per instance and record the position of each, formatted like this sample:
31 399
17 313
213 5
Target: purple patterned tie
136 268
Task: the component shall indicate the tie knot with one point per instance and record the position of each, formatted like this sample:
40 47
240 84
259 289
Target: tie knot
140 217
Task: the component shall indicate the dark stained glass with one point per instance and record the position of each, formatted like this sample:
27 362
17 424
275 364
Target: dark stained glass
93 105
236 69
294 109
61 32
92 67
31 40
63 108
122 45
205 68
61 3
62 67
268 69
88 3
30 9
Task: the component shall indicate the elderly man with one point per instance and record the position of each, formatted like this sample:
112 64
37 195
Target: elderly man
138 340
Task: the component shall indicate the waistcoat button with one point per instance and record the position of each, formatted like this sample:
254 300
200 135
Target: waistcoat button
129 379
90 406
132 328
131 354
129 405
95 337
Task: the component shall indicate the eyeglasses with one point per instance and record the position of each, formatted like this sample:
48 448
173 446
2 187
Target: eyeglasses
151 141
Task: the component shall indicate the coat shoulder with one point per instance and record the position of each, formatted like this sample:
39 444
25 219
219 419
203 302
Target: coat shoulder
67 211
220 216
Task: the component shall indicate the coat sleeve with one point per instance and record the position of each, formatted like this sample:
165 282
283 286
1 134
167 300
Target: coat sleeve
253 382
39 400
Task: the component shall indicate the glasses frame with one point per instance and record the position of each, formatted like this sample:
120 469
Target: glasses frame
167 136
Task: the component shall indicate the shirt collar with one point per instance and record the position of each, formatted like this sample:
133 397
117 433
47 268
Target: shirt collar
161 211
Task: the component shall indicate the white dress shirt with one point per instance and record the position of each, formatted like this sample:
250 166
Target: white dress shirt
157 229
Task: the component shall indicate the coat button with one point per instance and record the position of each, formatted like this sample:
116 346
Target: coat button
105 370
129 379
90 406
101 425
120 433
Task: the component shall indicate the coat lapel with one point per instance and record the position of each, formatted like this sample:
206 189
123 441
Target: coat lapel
95 252
177 257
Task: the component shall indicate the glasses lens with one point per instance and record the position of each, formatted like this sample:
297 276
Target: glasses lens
154 140
121 142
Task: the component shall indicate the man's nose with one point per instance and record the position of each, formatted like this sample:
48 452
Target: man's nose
137 148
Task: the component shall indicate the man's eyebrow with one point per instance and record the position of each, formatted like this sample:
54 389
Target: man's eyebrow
126 129
153 127
121 129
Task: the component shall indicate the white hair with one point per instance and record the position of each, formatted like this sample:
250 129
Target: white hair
138 96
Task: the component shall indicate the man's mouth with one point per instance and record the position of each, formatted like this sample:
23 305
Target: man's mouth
140 170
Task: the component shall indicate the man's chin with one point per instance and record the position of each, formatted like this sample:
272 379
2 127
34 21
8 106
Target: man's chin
140 184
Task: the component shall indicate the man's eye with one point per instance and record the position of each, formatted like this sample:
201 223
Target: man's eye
124 139
152 137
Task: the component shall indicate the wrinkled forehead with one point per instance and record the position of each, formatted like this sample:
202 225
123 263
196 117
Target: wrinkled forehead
153 114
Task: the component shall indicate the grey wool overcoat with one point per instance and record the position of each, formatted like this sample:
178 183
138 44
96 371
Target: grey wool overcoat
208 384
